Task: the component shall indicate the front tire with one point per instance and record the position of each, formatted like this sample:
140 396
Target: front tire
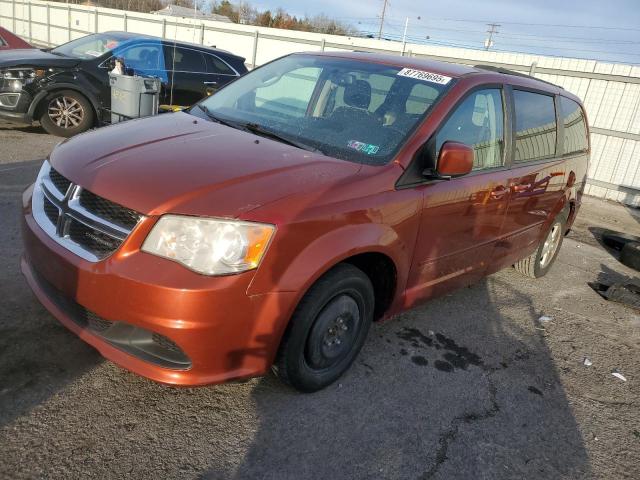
327 330
539 262
66 113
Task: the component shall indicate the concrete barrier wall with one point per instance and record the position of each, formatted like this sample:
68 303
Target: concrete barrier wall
611 92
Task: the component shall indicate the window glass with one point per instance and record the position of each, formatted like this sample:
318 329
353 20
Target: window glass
215 65
420 99
535 126
93 46
348 109
143 57
479 123
378 84
290 94
187 60
2 42
575 130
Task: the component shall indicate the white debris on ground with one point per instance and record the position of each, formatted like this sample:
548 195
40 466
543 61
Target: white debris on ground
619 375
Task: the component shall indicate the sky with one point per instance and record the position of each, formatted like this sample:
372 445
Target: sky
600 29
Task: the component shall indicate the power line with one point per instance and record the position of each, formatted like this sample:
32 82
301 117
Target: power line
547 25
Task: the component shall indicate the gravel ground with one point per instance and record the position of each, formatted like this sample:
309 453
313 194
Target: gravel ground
471 385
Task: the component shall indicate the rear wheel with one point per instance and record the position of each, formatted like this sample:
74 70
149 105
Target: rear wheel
66 113
539 262
327 329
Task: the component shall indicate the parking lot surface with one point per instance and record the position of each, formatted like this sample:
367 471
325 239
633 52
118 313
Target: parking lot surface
471 385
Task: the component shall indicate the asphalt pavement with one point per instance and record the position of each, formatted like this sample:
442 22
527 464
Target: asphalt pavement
471 385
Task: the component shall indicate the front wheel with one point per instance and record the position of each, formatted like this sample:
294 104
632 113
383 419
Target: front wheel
539 262
66 113
327 329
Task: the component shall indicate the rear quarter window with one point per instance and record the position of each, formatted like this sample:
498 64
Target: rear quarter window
216 65
536 128
575 127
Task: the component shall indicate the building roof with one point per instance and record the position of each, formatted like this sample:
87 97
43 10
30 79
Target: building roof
176 11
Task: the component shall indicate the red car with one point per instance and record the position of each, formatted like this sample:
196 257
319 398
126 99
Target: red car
271 223
9 41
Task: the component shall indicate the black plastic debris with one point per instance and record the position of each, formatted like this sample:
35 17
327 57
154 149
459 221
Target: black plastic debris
625 293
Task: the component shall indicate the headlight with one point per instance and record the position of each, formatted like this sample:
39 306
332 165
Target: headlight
26 75
209 246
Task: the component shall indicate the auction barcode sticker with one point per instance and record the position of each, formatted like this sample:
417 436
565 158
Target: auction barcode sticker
426 76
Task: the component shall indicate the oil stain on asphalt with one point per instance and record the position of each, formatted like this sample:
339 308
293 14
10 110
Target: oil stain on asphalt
454 356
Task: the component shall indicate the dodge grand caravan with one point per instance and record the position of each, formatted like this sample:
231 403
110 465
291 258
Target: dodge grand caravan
273 222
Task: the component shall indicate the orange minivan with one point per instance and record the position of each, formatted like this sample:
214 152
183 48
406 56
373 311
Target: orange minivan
271 223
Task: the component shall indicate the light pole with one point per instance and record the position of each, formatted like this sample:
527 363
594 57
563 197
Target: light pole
404 35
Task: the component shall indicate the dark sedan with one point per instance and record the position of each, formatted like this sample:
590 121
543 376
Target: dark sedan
67 88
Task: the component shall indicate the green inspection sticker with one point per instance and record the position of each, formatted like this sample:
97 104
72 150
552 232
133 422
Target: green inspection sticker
363 147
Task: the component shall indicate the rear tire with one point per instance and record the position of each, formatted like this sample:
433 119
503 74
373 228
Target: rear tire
66 113
327 330
539 262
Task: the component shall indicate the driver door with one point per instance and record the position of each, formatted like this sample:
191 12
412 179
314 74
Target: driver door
462 218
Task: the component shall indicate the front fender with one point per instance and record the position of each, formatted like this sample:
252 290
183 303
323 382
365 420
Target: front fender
288 268
90 95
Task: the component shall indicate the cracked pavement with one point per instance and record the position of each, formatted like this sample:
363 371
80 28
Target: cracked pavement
471 385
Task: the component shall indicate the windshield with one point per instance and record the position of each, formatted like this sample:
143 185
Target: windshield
91 46
349 109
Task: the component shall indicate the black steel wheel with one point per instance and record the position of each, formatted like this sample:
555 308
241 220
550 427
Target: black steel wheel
327 329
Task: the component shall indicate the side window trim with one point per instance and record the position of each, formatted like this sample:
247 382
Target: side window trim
129 47
235 74
180 47
170 47
409 177
548 158
559 127
561 116
506 131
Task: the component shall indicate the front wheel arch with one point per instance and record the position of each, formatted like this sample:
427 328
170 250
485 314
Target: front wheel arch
41 105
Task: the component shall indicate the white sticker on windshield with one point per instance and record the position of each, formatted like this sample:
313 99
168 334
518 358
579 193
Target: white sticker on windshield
93 53
423 75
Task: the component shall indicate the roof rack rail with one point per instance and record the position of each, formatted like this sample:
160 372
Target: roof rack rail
506 71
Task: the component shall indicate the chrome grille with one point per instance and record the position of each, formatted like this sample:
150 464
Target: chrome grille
61 183
108 210
90 226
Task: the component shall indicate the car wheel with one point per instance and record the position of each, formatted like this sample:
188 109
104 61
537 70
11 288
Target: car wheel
66 113
539 262
327 330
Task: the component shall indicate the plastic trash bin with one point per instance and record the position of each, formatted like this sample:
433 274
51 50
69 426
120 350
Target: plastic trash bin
133 97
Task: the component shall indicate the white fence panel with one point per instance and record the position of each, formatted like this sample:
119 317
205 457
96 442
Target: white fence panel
610 92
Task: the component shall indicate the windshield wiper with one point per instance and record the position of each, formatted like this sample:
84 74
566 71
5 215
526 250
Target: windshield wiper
216 118
260 130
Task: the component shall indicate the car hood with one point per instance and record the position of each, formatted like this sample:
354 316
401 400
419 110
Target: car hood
32 57
178 163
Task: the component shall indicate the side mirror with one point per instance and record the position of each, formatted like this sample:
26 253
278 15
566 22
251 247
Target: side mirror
455 160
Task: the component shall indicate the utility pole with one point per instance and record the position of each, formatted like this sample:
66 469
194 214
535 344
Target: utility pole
404 35
488 43
384 11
